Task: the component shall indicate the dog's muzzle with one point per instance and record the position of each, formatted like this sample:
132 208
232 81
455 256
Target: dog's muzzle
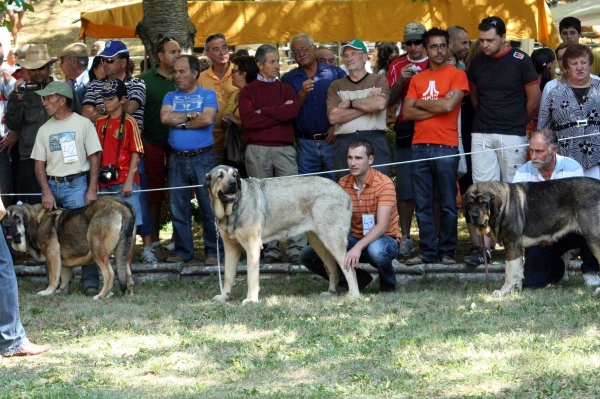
14 238
228 196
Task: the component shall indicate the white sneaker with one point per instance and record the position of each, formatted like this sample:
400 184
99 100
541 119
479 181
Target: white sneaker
566 258
591 279
406 247
148 257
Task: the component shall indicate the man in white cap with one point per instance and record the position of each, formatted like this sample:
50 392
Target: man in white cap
356 105
25 114
66 148
73 63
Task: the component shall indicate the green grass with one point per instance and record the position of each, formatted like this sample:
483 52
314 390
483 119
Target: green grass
433 338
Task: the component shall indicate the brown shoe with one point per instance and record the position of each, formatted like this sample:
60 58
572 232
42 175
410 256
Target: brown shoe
30 349
175 259
210 261
417 260
447 260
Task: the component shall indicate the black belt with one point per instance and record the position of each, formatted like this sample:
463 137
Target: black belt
579 123
62 179
191 153
315 137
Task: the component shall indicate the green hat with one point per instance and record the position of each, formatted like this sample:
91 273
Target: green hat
55 87
354 43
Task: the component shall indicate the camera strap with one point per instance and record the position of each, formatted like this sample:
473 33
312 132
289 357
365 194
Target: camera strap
120 136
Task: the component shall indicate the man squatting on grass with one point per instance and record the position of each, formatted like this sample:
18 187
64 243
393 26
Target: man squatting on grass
374 236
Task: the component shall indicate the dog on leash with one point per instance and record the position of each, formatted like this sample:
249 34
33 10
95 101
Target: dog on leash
524 214
252 211
75 237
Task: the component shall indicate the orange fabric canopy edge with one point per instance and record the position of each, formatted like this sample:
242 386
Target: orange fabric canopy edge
244 22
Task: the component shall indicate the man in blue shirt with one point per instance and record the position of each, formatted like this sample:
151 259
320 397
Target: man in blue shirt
311 80
190 113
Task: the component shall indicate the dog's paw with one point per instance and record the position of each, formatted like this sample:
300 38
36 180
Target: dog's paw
498 293
328 293
249 301
221 298
597 292
45 293
353 294
62 291
98 297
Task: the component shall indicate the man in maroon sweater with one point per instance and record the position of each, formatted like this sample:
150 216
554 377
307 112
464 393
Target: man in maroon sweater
268 108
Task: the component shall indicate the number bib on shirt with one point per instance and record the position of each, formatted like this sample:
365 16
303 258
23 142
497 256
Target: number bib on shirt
368 222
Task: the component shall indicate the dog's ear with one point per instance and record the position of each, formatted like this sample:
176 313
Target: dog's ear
207 182
238 179
495 204
30 218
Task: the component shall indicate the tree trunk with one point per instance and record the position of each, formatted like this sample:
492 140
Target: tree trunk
166 18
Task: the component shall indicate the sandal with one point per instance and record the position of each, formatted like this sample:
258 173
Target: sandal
447 260
417 260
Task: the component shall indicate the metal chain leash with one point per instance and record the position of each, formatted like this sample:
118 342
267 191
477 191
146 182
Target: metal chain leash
219 259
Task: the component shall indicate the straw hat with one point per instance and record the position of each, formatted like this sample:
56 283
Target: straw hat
37 56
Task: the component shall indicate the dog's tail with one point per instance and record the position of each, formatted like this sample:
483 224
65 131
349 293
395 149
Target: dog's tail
125 248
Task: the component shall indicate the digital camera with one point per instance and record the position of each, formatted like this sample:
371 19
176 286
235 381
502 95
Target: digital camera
108 173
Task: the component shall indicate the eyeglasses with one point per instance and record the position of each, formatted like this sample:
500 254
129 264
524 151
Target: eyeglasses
304 49
352 55
234 71
413 43
436 47
107 60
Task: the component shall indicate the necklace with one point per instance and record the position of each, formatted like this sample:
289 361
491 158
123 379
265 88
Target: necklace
581 95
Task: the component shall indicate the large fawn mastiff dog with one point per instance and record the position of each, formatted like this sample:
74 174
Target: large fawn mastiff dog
524 214
76 237
252 211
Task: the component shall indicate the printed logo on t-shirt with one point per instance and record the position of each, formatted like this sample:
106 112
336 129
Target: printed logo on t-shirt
431 93
58 138
187 103
518 55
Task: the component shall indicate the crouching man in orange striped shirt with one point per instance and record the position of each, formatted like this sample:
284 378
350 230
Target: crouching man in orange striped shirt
374 236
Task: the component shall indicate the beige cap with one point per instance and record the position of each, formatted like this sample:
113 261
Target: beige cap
74 50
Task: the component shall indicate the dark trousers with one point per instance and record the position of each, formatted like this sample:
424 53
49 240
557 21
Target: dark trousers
543 265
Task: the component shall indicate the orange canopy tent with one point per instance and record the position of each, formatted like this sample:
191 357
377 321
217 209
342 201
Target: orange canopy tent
245 22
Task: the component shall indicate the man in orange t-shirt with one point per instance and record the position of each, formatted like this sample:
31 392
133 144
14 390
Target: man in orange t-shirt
374 234
433 102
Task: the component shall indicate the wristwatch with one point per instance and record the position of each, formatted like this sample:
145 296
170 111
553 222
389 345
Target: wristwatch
182 126
351 101
188 116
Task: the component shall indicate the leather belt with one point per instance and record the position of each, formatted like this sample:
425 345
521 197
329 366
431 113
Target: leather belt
579 123
315 137
62 179
191 153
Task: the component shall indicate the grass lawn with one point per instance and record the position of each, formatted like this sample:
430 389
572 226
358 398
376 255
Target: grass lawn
433 338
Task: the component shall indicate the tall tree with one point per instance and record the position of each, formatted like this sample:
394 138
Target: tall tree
165 18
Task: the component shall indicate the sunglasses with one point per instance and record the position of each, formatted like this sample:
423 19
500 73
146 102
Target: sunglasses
166 39
107 60
414 43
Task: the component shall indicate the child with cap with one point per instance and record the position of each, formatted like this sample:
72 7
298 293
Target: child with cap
122 147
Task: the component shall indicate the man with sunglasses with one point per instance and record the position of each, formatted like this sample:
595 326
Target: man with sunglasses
218 79
159 81
311 80
433 101
115 57
399 73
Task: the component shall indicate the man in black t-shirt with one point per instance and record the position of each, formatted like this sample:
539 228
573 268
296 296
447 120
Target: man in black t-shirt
505 94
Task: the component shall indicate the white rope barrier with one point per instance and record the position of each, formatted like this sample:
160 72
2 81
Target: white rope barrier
332 171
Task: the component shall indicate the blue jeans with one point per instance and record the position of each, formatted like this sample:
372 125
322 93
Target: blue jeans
133 199
188 172
71 195
430 177
315 156
12 334
6 177
146 227
378 254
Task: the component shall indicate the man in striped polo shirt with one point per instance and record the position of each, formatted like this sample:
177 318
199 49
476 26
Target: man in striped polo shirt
374 236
